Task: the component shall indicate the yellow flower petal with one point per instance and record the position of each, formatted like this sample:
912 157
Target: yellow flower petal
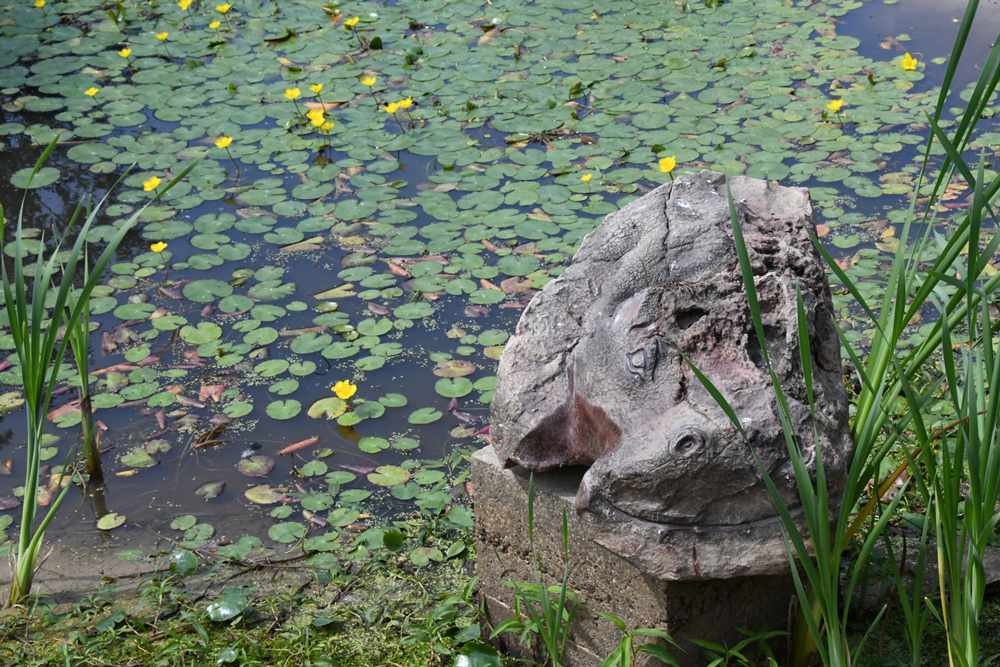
223 142
91 91
124 53
392 108
369 81
667 164
835 105
162 36
406 104
158 247
344 389
214 25
224 8
909 63
39 3
350 23
586 178
184 4
292 93
151 184
317 88
327 126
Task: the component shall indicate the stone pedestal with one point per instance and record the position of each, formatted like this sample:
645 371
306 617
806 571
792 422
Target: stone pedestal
709 609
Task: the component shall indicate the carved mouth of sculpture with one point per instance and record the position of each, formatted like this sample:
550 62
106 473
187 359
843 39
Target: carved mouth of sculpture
602 507
576 433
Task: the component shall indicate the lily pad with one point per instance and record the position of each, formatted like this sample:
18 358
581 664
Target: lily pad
282 410
393 400
453 368
257 465
264 495
211 490
373 445
330 407
424 416
453 388
110 521
206 291
43 177
138 457
205 332
388 476
287 532
413 311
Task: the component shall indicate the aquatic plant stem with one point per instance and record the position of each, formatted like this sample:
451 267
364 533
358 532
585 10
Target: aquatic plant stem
41 351
235 164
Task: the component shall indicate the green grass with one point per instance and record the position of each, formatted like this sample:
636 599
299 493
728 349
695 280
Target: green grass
389 612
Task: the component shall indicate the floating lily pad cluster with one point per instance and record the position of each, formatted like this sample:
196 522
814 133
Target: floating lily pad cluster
297 251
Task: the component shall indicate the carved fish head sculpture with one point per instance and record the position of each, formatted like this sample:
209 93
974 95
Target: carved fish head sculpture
595 374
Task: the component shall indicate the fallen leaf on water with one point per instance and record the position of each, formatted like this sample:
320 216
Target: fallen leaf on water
211 391
71 408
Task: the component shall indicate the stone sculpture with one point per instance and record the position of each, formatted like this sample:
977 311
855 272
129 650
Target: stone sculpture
595 376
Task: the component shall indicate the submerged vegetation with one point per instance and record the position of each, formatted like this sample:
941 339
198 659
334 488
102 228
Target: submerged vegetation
336 207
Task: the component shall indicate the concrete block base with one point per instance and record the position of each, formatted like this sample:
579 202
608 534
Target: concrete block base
697 609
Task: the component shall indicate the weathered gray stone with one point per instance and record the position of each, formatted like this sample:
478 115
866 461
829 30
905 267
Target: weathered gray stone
595 376
698 609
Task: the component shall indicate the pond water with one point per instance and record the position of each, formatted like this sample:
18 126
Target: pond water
397 251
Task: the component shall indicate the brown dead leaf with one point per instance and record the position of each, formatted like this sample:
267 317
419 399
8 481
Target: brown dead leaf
489 37
211 391
71 408
515 285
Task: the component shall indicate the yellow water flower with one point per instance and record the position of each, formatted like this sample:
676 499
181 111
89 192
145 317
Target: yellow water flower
406 104
292 93
586 178
317 121
667 164
158 247
350 23
125 53
91 91
151 184
223 142
392 108
224 8
184 4
326 127
39 3
344 389
909 63
369 81
318 88
214 25
835 105
162 36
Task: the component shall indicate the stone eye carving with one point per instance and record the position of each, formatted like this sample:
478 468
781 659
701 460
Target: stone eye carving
642 362
689 442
